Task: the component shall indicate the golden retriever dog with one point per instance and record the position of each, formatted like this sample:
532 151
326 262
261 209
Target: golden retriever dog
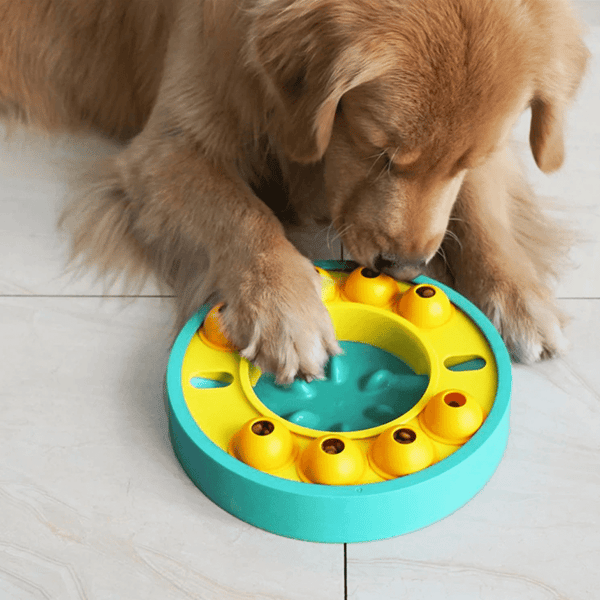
388 118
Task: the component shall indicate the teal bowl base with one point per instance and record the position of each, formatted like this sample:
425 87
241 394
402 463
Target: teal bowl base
341 514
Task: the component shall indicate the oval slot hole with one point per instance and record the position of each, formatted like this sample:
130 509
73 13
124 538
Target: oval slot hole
464 363
209 381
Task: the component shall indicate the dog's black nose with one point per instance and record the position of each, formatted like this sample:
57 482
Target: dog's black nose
398 267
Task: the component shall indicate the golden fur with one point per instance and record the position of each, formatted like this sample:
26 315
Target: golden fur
391 118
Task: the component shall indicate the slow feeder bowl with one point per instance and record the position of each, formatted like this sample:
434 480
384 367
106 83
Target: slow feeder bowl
409 424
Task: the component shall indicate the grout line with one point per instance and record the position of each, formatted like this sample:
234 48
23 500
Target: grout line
345 571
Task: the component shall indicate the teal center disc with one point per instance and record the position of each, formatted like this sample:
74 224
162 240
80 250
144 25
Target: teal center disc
364 387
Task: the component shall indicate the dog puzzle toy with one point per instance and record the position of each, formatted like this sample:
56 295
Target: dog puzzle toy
409 424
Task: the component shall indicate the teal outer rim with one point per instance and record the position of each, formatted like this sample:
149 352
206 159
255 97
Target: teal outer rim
336 514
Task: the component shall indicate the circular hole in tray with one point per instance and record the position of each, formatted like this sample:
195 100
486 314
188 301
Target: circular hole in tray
382 374
369 273
405 436
263 428
333 446
455 399
425 291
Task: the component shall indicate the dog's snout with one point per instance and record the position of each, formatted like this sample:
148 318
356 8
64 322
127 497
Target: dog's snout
399 267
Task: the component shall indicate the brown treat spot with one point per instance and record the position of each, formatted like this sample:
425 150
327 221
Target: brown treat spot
426 292
333 446
263 428
405 436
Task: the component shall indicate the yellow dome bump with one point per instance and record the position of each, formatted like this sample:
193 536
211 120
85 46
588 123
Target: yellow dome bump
211 332
332 460
425 306
451 417
400 451
369 287
264 444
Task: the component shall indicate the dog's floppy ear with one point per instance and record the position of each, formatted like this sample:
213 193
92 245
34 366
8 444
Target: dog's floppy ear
308 62
555 90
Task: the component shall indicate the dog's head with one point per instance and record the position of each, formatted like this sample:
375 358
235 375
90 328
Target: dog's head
400 99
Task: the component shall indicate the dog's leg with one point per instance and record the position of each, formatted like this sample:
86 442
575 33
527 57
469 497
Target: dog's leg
505 256
163 202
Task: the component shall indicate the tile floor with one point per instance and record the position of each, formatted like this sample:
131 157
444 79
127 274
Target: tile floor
94 505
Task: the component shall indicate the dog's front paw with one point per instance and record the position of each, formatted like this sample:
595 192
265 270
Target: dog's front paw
529 322
280 323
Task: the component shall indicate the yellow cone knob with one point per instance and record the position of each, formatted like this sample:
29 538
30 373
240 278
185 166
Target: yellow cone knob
264 444
211 331
425 306
333 460
329 287
400 451
370 287
452 417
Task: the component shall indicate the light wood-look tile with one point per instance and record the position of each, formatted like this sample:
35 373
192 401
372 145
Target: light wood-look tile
93 503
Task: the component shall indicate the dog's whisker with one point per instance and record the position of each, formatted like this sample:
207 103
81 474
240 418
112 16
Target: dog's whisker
376 158
442 253
341 232
332 235
450 234
381 173
328 232
391 160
